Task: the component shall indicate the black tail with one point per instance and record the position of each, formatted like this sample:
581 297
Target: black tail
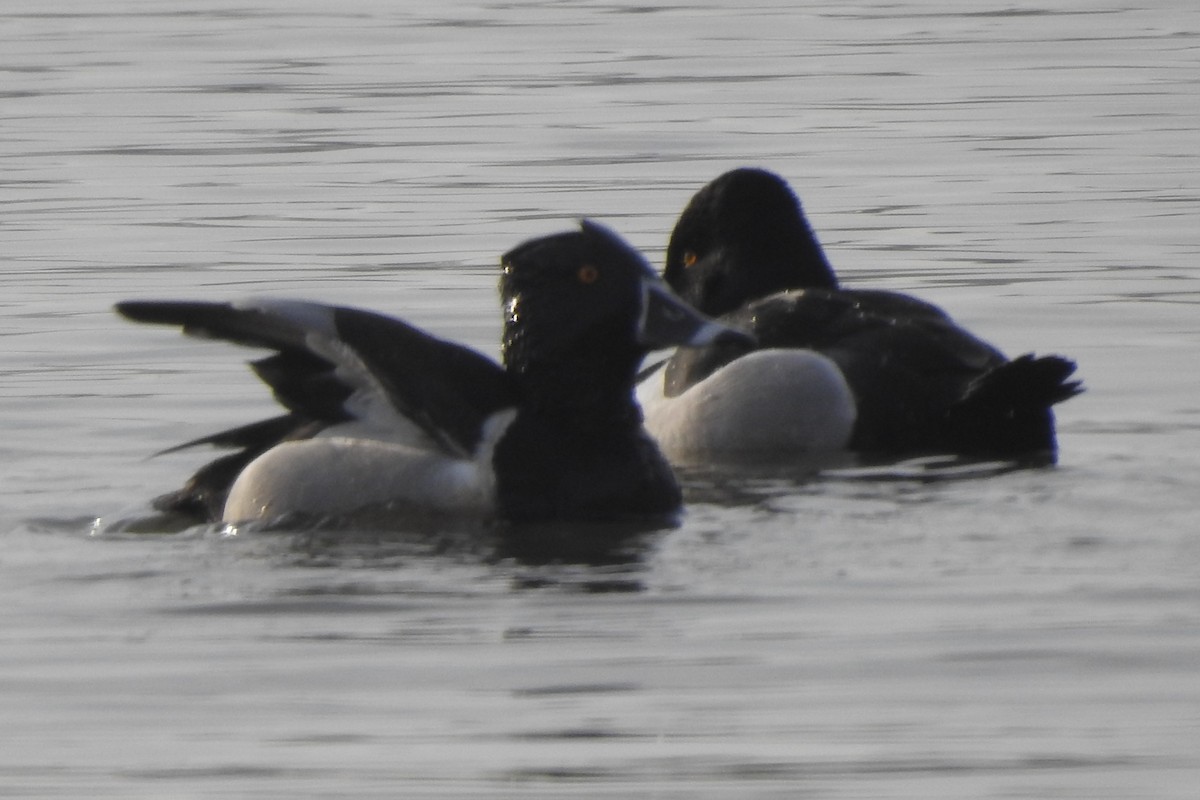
203 496
1007 411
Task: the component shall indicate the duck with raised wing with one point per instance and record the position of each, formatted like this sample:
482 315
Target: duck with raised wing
879 373
382 417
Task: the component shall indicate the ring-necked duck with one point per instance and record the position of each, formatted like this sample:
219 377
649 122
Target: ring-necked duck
383 416
875 372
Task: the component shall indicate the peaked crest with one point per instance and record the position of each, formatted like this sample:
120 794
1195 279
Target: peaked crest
556 288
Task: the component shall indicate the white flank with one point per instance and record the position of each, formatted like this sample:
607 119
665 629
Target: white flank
769 402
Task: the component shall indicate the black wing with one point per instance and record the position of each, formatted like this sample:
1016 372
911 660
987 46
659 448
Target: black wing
872 336
922 383
333 365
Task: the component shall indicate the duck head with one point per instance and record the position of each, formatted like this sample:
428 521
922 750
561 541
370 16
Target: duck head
742 237
587 294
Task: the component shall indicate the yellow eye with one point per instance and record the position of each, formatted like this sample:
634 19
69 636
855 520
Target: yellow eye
588 274
689 258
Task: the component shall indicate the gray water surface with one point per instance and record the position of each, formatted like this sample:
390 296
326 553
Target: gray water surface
1031 634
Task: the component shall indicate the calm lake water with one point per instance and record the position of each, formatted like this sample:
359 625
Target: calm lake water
1031 166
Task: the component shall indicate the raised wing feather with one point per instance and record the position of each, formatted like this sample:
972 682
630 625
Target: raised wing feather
334 365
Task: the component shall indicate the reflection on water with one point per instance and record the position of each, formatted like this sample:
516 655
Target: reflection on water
918 630
378 539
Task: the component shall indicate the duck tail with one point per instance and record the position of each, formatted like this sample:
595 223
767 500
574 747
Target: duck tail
202 498
1006 412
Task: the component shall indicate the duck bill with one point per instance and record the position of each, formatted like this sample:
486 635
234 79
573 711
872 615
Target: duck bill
667 321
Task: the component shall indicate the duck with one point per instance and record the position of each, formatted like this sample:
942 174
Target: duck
829 370
382 417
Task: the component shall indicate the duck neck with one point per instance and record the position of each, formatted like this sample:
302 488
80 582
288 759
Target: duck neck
589 393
